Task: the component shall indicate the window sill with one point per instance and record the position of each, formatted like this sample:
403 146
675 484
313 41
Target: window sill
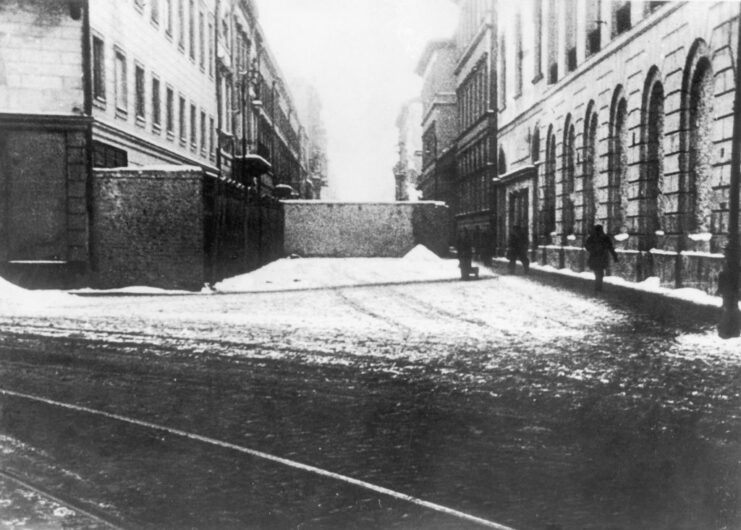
156 129
170 136
100 103
122 113
538 78
141 121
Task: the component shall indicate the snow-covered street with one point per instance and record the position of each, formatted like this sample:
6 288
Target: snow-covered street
505 398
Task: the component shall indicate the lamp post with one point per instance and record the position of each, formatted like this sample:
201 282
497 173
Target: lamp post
729 321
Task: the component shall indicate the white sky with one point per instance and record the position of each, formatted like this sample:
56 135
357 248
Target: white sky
360 55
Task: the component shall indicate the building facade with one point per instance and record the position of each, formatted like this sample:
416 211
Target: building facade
110 83
476 155
618 113
437 181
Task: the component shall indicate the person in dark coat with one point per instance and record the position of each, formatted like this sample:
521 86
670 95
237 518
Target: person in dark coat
517 248
465 254
599 246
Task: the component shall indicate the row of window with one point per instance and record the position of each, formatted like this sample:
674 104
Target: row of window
472 95
200 27
620 21
193 126
475 181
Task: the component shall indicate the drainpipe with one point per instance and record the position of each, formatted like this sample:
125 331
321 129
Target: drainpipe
87 87
729 325
217 80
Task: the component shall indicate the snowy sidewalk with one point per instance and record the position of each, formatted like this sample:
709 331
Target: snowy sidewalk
647 291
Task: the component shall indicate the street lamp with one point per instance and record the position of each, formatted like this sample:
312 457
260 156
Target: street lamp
729 325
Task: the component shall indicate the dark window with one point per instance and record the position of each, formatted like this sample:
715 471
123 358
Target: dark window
571 59
594 41
210 45
203 133
98 68
538 36
105 155
622 18
212 137
170 111
193 127
553 73
181 120
653 6
139 84
156 113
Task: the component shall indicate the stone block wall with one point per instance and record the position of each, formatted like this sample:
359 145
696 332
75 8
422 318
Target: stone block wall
40 58
148 228
336 229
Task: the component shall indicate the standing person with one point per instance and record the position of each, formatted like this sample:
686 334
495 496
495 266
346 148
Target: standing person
465 254
599 245
517 249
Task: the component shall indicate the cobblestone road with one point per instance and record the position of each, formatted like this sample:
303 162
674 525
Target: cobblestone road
509 400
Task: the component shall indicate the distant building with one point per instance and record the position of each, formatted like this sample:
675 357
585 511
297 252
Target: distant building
309 106
438 180
476 154
111 83
409 166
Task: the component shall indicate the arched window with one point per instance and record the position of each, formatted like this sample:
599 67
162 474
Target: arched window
697 165
590 169
617 162
548 213
651 183
569 163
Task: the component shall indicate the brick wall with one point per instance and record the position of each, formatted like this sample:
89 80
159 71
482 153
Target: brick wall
148 228
363 229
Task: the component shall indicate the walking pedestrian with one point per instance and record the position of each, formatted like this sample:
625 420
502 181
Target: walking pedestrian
465 254
517 248
599 246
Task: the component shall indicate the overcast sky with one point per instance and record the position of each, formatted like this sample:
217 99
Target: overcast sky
360 55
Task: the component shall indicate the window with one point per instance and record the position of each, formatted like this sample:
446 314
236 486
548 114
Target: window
181 120
98 69
212 137
594 39
168 17
122 97
156 112
201 40
211 38
105 155
193 127
519 53
538 35
570 35
621 16
203 133
192 30
155 13
170 112
139 86
552 42
502 72
181 25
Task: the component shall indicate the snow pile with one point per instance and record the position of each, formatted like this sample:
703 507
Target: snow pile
420 264
13 295
422 254
131 290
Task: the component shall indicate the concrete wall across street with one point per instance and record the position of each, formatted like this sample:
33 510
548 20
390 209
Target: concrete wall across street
391 229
